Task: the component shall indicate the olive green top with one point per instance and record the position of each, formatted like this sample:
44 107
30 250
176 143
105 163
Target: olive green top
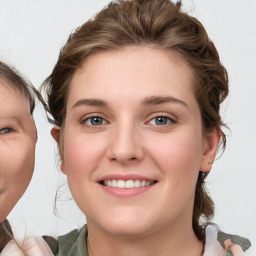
244 243
74 243
71 244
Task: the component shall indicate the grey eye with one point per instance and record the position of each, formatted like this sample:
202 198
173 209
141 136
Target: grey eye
160 120
94 121
6 130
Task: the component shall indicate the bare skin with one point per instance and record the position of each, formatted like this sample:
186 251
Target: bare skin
17 147
132 115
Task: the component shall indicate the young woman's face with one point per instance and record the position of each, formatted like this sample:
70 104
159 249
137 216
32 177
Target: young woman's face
133 121
17 147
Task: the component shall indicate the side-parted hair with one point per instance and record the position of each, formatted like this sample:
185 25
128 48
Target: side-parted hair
159 24
17 82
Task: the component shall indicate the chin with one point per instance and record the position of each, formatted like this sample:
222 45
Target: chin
126 224
131 230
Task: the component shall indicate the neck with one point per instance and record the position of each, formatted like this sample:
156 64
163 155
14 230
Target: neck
169 242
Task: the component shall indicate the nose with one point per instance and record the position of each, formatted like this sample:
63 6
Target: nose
125 145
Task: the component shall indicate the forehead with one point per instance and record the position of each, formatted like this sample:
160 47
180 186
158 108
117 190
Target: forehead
135 70
12 100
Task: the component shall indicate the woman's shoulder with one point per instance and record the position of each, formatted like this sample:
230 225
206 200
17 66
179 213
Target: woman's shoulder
72 243
221 243
217 243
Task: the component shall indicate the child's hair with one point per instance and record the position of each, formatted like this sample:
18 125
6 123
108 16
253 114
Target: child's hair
17 82
159 24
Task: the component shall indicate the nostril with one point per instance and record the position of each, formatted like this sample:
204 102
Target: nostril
129 159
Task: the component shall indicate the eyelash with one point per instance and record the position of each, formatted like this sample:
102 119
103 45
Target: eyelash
89 118
6 130
169 120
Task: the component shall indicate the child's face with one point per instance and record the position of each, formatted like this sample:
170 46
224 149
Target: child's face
17 147
132 115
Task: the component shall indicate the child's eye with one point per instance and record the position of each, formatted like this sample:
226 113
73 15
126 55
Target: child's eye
160 120
6 130
94 121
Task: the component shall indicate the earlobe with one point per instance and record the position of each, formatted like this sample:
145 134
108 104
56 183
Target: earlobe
55 132
212 141
62 167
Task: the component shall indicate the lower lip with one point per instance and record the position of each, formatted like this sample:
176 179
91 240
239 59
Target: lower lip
126 192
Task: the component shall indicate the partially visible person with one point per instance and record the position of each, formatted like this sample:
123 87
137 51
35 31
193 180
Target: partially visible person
18 139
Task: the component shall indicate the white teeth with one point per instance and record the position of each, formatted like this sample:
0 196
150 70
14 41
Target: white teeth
147 183
120 184
114 183
137 184
127 184
143 183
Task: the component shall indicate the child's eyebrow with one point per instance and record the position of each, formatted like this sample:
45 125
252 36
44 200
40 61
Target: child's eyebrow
9 117
19 119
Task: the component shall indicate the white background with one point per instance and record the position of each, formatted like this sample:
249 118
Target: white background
31 34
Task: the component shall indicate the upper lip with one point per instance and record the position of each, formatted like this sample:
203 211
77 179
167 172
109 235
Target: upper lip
125 177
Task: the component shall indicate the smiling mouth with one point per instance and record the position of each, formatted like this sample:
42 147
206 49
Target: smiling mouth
117 183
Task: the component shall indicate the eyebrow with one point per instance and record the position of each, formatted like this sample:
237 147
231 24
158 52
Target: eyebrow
90 102
157 100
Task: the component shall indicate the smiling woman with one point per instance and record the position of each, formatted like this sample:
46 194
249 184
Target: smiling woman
135 97
120 146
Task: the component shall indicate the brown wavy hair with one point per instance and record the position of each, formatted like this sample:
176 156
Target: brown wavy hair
18 82
6 234
160 24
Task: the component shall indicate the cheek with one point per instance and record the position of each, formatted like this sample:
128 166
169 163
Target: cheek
81 157
17 165
179 157
81 154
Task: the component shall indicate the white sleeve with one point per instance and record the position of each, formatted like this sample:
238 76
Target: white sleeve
212 246
11 249
33 246
36 246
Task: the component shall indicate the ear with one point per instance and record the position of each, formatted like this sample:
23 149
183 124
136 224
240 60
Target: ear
55 132
212 141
